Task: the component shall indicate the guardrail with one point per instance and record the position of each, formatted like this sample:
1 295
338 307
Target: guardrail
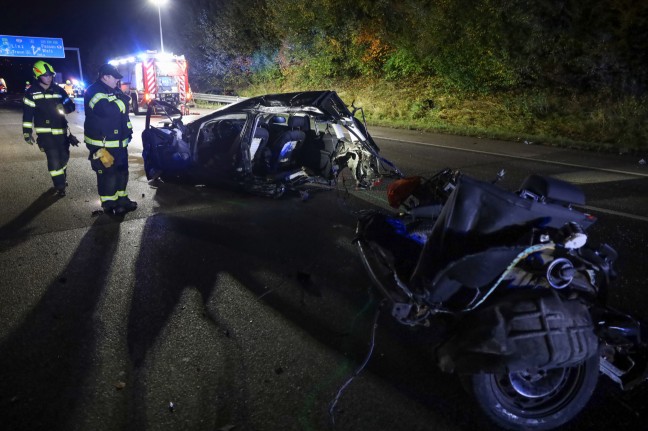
217 98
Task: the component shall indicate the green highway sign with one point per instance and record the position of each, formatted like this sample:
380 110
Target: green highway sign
29 46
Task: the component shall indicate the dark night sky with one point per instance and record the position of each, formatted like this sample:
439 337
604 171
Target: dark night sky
100 29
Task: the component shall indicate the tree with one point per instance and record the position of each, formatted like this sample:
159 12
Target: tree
225 39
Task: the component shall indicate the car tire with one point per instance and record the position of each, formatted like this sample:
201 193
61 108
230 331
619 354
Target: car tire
135 105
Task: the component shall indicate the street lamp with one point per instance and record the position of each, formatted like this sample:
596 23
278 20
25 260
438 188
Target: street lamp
159 3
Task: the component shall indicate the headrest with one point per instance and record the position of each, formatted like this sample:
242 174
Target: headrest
298 122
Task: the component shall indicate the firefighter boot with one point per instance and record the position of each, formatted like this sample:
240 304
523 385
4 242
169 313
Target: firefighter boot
112 208
127 204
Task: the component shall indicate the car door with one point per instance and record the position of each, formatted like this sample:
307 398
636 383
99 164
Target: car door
218 144
165 150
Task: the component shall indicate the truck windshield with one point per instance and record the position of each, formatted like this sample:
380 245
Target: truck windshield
168 84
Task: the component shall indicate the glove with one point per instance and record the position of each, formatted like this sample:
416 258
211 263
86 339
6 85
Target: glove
72 140
121 95
28 138
124 98
106 158
68 105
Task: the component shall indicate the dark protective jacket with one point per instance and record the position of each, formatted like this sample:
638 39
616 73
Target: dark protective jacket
106 117
42 110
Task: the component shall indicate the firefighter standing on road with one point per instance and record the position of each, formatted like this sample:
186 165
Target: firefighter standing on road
45 106
108 131
69 88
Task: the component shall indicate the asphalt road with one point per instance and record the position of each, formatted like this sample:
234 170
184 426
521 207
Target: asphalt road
207 309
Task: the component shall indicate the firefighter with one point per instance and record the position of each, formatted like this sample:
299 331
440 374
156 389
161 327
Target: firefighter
45 106
108 131
69 89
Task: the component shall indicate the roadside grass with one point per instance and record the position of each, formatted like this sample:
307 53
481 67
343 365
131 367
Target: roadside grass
208 105
597 122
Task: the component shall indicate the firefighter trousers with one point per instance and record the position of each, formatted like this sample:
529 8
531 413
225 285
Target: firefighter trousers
57 150
112 181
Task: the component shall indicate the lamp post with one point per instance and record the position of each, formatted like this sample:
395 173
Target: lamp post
159 3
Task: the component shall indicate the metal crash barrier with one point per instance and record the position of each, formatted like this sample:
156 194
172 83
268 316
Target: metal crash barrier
217 98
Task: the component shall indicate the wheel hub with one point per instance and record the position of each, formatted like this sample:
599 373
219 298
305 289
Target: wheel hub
538 384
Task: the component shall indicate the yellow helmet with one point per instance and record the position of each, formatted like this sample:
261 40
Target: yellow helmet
68 82
43 68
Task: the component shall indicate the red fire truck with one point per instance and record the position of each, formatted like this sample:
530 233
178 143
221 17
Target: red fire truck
150 75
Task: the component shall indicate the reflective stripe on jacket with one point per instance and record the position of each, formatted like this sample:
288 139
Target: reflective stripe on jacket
41 110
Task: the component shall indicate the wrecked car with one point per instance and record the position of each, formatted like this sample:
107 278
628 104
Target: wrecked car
266 145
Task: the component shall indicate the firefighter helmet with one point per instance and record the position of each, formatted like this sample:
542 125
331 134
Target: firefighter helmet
42 68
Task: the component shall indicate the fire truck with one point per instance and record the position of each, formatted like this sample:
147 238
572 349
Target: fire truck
154 75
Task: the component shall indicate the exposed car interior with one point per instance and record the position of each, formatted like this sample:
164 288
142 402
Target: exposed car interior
267 144
280 143
288 141
218 141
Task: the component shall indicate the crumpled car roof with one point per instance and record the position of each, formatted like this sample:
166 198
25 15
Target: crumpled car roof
326 102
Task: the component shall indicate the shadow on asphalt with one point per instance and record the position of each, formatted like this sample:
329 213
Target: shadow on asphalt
16 231
192 252
45 358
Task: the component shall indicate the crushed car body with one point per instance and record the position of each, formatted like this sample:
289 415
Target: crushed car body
266 144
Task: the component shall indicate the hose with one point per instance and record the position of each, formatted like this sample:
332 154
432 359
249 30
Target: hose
358 370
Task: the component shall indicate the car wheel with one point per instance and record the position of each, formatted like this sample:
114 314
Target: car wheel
135 106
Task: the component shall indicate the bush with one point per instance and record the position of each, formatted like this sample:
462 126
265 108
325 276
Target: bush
402 63
596 122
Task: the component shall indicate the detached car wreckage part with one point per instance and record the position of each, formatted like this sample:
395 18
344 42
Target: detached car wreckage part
521 331
510 286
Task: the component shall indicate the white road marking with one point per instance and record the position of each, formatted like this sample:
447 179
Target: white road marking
590 175
617 213
530 159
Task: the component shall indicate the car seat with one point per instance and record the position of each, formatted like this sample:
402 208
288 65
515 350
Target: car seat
285 147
